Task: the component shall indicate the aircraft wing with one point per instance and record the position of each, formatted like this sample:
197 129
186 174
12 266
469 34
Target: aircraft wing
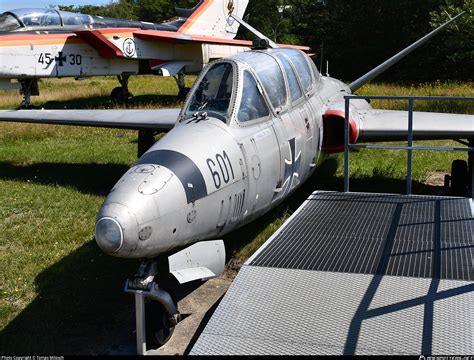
100 40
392 125
155 35
160 119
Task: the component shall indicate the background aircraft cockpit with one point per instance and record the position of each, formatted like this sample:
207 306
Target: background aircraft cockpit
51 19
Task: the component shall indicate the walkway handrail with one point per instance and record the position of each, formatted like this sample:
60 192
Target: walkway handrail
409 148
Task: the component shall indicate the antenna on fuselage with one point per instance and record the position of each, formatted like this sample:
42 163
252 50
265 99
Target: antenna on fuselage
262 42
397 57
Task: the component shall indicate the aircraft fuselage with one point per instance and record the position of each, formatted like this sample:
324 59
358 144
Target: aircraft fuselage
43 55
211 173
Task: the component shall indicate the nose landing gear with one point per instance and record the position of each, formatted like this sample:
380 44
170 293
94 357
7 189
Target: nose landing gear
200 261
120 95
29 88
155 303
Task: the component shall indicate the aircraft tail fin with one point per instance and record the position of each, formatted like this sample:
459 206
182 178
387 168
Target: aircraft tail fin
212 18
397 57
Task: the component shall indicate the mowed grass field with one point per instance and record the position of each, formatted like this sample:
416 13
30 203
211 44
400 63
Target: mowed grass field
58 292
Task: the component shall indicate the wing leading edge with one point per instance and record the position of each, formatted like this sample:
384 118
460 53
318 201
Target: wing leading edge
160 120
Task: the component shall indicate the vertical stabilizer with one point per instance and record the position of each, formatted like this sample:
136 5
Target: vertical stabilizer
212 18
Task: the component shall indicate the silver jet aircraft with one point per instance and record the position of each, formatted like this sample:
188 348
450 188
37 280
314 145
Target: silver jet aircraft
253 128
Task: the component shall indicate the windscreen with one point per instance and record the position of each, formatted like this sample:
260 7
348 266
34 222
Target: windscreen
38 17
8 22
213 93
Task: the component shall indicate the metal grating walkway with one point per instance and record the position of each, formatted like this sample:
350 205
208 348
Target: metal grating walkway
355 274
378 234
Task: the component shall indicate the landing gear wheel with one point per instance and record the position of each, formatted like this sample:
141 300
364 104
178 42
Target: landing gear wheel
158 327
459 178
120 96
26 107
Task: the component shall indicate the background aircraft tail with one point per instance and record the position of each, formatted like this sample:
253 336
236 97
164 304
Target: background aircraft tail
211 18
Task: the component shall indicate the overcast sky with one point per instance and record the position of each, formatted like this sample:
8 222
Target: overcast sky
15 4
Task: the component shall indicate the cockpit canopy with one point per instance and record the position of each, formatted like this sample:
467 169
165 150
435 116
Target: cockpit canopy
30 17
252 85
37 19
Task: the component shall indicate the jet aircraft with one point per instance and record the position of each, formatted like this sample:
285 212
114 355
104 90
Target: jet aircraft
253 128
43 43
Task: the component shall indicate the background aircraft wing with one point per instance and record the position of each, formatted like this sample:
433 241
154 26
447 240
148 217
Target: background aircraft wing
388 125
99 41
160 119
180 37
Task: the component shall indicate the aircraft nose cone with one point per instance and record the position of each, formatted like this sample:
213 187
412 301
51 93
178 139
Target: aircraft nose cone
109 234
115 228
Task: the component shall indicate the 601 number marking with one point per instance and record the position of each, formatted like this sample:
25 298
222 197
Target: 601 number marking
220 169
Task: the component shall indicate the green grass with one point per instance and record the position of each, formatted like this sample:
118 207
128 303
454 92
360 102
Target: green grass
58 292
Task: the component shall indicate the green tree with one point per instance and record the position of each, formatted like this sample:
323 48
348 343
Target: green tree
457 50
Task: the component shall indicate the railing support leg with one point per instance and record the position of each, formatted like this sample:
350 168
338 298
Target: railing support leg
410 144
346 146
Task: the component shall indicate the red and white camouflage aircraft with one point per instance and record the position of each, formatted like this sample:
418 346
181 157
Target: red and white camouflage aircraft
45 43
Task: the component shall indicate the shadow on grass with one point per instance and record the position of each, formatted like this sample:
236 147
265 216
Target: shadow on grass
95 179
104 102
80 303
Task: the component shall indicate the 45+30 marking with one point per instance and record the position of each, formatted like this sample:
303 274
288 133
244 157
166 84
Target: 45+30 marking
61 59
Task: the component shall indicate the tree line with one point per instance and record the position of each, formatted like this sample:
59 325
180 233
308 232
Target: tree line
351 37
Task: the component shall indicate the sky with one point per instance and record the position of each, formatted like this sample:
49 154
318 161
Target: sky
15 4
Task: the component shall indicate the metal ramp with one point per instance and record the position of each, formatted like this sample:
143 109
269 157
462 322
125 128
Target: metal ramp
355 273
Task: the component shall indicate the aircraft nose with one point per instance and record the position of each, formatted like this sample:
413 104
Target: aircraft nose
109 234
114 229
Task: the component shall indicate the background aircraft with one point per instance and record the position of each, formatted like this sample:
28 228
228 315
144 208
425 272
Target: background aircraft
253 128
42 43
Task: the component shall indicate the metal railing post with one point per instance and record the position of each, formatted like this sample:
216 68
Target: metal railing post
470 163
410 144
409 148
346 144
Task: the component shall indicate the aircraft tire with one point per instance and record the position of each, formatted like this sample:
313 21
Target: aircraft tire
459 178
158 331
118 96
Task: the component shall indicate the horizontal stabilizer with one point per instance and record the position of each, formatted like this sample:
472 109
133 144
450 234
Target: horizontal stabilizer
160 119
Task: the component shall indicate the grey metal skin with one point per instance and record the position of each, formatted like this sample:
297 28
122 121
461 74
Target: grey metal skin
169 198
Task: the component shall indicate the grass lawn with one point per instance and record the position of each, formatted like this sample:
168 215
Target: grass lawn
58 292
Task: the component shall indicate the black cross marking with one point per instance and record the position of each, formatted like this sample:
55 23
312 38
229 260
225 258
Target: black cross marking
60 58
292 166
